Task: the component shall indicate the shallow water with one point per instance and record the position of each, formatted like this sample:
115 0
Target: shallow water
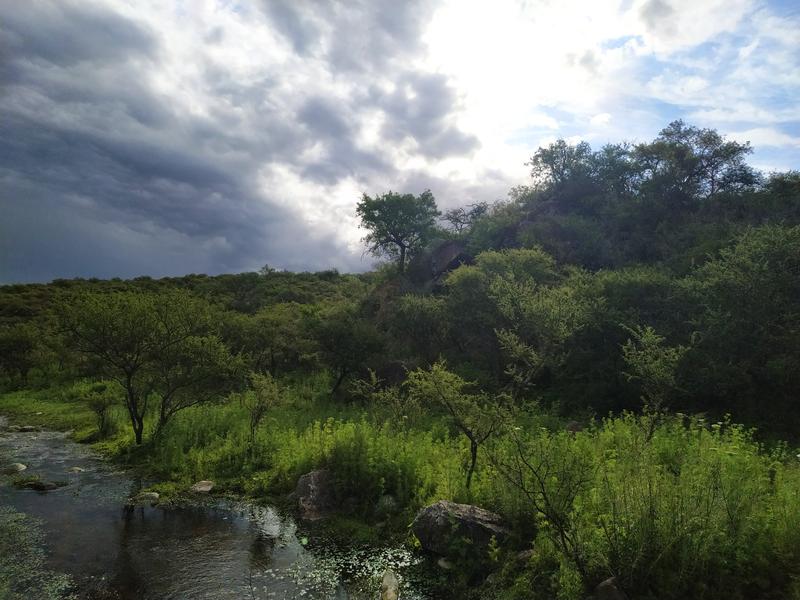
221 550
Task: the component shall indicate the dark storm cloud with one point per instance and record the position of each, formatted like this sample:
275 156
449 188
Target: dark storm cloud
324 118
64 33
102 173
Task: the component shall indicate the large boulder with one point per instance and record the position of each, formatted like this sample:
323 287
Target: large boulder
316 495
202 487
447 256
443 526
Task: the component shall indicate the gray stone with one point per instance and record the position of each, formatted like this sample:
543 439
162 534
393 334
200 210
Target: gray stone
608 590
13 428
28 428
148 497
316 495
75 470
202 487
525 555
390 586
443 526
444 564
14 468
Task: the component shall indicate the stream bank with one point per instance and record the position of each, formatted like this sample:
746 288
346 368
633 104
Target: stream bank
212 549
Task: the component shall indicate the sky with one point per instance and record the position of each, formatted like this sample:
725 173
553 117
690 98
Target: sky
165 137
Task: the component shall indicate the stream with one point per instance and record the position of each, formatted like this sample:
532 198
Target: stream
217 549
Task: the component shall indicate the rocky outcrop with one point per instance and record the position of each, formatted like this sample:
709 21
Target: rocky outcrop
447 256
443 526
202 487
316 495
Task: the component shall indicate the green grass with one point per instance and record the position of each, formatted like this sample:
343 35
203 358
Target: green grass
59 409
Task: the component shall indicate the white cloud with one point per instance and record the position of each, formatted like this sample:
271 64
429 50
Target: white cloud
601 119
766 136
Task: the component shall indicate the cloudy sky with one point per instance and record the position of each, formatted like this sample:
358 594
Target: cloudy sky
167 137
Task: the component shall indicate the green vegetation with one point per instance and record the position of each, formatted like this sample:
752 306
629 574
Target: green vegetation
648 295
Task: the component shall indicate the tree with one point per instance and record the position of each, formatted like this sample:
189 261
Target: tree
687 163
542 319
655 366
272 339
398 224
19 346
156 346
346 341
462 219
560 162
748 326
263 396
475 415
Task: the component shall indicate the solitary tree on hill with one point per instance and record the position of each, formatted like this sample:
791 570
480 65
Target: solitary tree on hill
398 224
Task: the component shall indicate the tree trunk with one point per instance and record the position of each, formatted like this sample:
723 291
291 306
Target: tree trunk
342 375
137 420
402 258
138 428
473 451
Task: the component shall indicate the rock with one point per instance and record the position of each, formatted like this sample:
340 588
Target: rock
525 556
608 590
202 487
14 468
444 564
13 428
28 428
574 427
316 495
447 256
39 413
443 525
390 586
148 497
75 470
41 485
